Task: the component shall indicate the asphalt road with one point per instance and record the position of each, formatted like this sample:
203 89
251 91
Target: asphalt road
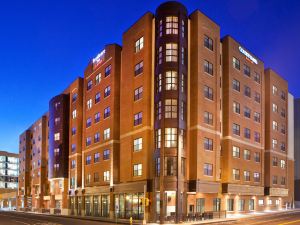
16 218
284 218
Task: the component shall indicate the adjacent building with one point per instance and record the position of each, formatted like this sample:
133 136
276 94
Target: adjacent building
174 123
9 172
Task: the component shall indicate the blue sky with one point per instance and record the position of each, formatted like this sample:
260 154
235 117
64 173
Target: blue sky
45 45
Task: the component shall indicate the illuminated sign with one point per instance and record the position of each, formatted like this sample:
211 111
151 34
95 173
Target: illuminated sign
99 58
250 57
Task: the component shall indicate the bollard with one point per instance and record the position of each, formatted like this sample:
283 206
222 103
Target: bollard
130 220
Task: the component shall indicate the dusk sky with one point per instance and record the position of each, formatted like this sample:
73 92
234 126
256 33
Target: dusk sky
45 45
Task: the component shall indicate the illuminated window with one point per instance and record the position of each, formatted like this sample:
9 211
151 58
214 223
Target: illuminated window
56 136
170 137
139 44
170 108
56 167
98 78
282 164
137 144
171 80
236 174
74 114
158 138
257 97
256 177
158 110
56 152
236 63
256 117
236 107
275 107
247 154
260 202
235 152
246 175
106 176
89 103
171 25
274 143
158 83
106 134
274 90
171 52
275 125
137 170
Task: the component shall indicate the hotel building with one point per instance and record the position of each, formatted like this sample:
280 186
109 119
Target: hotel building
173 124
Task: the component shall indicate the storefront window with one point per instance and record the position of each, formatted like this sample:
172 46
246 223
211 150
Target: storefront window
88 209
200 205
79 206
216 204
96 206
171 204
105 205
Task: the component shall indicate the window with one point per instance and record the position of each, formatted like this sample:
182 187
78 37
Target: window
256 136
208 144
282 146
89 103
235 152
171 25
236 107
97 98
138 118
257 97
171 108
274 143
230 205
56 121
88 122
137 170
56 152
107 71
274 161
96 157
257 117
158 83
283 113
97 137
137 144
139 44
182 28
236 85
256 177
74 114
282 181
160 55
236 63
246 175
182 56
247 133
138 93
274 90
170 137
170 166
89 85
171 80
56 167
171 52
106 154
282 95
107 91
106 112
98 78
96 177
241 205
56 136
157 166
247 91
257 77
247 70
275 125
208 118
275 107
270 202
106 134
236 174
283 129
72 182
247 112
282 164
88 160
247 154
208 43
208 67
277 201
74 97
158 110
97 117
236 129
260 202
160 28
88 141
73 147
106 176
138 68
208 93
158 138
274 180
208 169
257 157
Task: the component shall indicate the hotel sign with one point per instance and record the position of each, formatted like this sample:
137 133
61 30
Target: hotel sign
99 58
248 56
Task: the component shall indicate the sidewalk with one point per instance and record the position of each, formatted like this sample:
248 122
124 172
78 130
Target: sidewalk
230 218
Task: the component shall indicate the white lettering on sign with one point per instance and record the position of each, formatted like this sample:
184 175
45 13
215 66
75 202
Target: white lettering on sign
99 58
250 57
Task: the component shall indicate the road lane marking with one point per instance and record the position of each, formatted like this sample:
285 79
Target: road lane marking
269 220
21 222
295 221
